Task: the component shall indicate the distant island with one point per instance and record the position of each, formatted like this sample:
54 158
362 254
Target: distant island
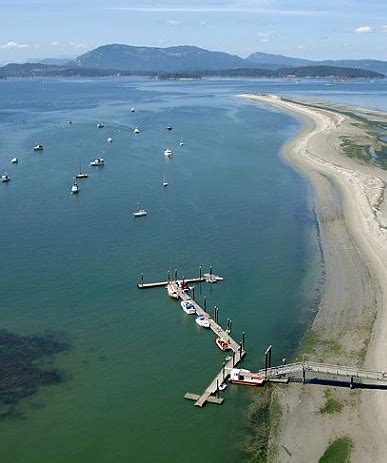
50 70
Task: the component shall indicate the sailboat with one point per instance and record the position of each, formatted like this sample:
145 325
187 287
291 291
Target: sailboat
165 182
80 173
181 140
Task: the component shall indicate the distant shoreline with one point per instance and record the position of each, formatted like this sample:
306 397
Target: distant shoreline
354 240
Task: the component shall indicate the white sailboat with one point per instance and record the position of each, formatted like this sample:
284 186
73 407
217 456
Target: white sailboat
14 160
165 182
81 174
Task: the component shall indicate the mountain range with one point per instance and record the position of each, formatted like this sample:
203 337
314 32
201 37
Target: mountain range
192 58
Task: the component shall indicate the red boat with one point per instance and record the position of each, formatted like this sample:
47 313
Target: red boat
241 376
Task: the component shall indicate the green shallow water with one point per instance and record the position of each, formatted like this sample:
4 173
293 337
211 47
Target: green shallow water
70 264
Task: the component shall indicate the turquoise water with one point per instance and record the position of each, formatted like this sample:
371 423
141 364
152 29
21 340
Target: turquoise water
70 264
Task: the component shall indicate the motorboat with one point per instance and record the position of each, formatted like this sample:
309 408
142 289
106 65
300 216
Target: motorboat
5 178
202 321
222 387
181 140
168 152
38 147
132 110
14 160
171 290
188 307
136 130
165 182
97 162
140 213
100 125
109 140
222 344
169 127
242 376
74 188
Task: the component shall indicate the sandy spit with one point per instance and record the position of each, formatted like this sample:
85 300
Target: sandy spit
351 323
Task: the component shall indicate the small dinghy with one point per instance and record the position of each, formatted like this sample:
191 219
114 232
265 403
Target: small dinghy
188 307
202 321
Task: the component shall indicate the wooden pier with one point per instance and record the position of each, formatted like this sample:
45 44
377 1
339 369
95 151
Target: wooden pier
179 287
206 278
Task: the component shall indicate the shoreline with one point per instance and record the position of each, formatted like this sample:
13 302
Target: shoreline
350 326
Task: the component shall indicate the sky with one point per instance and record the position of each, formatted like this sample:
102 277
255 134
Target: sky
314 29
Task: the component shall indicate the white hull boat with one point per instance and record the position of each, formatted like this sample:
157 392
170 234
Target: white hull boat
202 321
242 376
172 292
14 160
188 308
168 152
97 162
5 178
140 213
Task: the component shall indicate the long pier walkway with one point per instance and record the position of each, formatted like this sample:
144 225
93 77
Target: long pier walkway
178 287
308 368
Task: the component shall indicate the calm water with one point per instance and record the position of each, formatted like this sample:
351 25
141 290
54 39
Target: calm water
70 264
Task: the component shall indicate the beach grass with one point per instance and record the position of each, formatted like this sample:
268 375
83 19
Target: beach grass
331 404
338 451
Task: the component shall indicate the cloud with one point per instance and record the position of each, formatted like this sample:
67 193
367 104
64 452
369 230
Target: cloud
300 47
265 37
78 45
12 44
173 22
204 23
384 28
363 29
54 43
225 8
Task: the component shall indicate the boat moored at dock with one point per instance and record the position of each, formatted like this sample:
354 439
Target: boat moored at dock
242 376
188 307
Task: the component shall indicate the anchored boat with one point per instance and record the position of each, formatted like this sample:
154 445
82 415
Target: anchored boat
38 147
5 178
97 162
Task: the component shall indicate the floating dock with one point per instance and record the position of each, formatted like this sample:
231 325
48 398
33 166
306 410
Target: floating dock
179 287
